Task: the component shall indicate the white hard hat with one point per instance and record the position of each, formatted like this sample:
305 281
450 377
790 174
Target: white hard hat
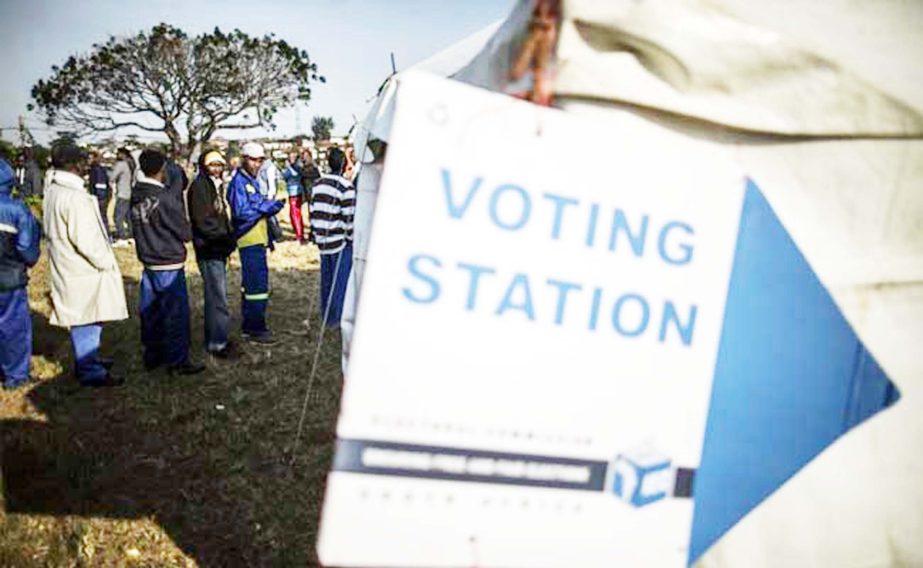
253 150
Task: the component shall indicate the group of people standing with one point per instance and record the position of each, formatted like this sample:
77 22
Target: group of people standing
166 212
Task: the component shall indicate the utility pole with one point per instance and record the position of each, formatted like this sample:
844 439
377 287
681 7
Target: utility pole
25 136
22 132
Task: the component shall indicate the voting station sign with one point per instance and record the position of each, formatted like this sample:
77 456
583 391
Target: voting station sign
537 338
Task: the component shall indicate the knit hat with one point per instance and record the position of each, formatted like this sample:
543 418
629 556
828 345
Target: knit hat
7 176
151 162
214 157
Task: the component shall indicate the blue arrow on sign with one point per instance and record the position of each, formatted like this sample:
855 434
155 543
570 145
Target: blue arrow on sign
791 377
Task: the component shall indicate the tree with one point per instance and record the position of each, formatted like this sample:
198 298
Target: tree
186 87
42 155
65 138
7 151
321 127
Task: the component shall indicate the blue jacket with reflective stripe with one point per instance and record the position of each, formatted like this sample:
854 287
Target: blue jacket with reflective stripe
19 241
247 204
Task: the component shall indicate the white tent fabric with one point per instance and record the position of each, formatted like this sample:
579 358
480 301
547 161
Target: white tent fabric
822 104
377 124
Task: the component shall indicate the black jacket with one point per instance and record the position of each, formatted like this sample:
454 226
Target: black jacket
176 178
212 234
159 225
309 175
99 182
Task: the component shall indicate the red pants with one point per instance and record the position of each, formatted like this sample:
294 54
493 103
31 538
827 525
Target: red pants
294 212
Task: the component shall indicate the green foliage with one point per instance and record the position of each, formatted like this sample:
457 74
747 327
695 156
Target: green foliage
65 138
321 127
7 151
42 155
166 81
33 200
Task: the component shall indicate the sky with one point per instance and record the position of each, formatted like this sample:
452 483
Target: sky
350 40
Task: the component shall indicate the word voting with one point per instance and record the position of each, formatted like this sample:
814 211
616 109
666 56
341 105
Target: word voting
558 300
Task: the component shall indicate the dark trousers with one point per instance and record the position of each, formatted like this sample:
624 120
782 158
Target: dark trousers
122 221
164 317
334 273
104 210
255 289
217 315
15 336
86 340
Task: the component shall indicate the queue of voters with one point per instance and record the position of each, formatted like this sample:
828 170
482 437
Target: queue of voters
158 210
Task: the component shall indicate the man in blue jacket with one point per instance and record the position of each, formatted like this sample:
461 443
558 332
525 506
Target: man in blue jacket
250 213
19 250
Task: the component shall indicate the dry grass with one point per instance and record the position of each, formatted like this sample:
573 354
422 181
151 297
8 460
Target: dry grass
172 471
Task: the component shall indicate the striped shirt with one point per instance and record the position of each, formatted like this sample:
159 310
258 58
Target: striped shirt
333 204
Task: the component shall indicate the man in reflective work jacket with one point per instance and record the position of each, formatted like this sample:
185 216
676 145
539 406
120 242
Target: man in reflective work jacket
250 214
19 250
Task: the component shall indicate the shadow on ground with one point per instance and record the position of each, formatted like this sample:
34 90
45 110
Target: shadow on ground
209 459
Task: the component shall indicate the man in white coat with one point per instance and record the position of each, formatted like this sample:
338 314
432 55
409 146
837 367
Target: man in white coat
86 284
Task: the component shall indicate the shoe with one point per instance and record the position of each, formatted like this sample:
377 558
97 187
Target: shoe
264 338
152 366
188 368
109 380
106 362
9 385
227 352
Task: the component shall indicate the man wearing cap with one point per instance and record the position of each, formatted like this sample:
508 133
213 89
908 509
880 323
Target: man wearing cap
19 250
214 242
250 211
86 284
158 222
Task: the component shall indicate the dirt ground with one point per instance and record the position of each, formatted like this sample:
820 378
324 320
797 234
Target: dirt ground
192 471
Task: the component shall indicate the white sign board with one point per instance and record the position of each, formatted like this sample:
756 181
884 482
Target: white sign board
535 343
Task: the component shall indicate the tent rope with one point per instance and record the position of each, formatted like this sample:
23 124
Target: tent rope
317 352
